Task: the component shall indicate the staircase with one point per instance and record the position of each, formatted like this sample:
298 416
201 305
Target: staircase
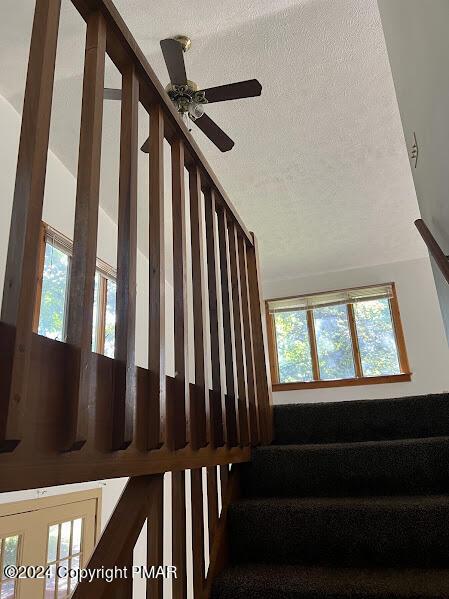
351 501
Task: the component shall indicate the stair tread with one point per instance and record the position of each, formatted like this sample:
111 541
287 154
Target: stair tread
400 531
389 467
382 501
319 446
313 582
346 421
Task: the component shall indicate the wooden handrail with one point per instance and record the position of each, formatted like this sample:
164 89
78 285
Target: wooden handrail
435 250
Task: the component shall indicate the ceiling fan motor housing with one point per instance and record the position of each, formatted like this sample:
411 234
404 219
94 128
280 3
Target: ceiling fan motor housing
187 99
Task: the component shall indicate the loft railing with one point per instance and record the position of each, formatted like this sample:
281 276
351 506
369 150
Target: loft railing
435 250
69 415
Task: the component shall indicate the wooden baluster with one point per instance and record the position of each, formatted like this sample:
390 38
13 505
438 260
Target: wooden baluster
199 430
218 431
224 477
197 532
249 353
262 373
230 399
156 334
155 538
179 534
125 327
19 291
238 334
81 386
212 502
121 588
178 417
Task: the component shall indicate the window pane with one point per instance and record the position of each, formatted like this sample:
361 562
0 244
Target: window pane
76 536
95 313
10 549
292 339
109 341
376 337
64 543
334 342
52 543
50 584
54 286
63 581
8 589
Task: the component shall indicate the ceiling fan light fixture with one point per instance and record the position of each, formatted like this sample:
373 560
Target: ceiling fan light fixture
196 111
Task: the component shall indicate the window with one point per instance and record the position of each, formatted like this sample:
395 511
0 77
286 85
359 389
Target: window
347 337
51 302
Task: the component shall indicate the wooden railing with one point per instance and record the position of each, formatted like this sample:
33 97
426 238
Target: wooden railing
69 415
435 250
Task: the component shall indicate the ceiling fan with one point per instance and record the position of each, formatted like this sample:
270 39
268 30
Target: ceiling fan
189 100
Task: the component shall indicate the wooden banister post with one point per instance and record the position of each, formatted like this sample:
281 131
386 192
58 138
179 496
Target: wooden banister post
178 408
155 538
199 411
218 423
19 291
232 424
262 372
196 498
156 331
238 335
249 346
179 556
125 374
81 385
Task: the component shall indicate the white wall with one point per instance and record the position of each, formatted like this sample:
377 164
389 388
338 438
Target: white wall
427 349
418 48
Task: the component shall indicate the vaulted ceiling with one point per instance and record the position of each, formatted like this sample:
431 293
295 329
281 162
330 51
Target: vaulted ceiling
319 171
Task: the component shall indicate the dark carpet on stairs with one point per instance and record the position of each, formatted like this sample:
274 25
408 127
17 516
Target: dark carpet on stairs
351 501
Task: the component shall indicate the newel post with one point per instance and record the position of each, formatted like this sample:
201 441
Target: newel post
261 363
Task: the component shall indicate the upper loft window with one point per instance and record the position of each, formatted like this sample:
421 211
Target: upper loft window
50 318
337 338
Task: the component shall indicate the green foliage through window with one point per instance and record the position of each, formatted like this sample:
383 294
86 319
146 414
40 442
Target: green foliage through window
52 316
333 339
292 338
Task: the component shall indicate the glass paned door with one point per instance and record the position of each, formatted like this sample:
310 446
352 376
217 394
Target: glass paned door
59 535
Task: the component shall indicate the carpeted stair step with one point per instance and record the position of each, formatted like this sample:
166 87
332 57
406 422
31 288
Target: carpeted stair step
349 421
382 531
408 467
264 581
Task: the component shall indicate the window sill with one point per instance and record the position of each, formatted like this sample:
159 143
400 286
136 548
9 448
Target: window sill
367 380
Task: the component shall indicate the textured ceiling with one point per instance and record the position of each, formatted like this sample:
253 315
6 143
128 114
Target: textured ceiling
319 170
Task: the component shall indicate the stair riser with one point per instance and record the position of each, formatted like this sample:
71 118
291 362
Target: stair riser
408 468
353 536
348 421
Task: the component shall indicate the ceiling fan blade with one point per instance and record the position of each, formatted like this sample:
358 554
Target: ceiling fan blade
214 133
174 61
112 94
233 91
146 146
